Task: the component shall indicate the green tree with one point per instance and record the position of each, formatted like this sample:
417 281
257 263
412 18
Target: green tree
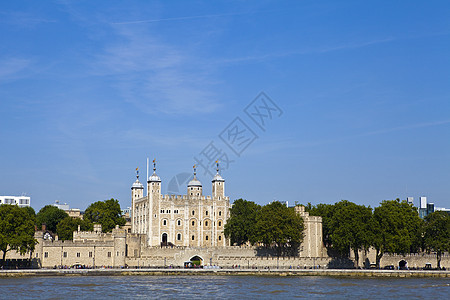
107 213
350 228
437 233
16 230
396 228
240 226
50 216
279 226
67 226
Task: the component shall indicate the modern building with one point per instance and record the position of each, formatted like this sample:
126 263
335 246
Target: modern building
72 212
180 220
425 208
410 200
21 201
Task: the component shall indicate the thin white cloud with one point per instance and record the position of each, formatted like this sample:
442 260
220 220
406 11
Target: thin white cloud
155 76
11 68
370 133
312 50
194 17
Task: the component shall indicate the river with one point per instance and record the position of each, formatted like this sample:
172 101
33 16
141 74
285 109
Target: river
228 287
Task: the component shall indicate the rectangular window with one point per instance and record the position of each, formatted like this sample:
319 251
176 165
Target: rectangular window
90 254
65 254
78 254
45 254
109 254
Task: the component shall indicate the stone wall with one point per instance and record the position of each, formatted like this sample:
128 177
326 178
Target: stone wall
414 260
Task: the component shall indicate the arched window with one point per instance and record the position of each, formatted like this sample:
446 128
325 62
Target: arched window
206 212
220 213
220 223
220 237
164 222
179 237
193 212
193 223
179 222
206 237
193 237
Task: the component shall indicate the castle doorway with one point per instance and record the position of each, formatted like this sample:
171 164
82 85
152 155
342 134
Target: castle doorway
196 260
164 239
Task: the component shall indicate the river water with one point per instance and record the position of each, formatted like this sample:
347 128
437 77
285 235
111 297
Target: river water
228 287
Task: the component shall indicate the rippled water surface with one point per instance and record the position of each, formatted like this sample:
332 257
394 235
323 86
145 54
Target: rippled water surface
207 287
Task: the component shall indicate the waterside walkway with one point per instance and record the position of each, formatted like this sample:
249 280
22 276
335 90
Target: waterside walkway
235 272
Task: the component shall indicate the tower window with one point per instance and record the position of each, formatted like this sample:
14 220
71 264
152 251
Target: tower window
206 237
220 237
220 213
206 212
164 222
220 223
206 223
193 223
193 212
179 237
193 237
179 222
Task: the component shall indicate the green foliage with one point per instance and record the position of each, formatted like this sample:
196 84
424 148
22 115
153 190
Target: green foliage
67 226
107 213
50 216
350 227
437 233
16 229
240 226
280 226
396 228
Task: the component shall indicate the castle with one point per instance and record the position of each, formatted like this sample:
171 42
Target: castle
188 220
170 230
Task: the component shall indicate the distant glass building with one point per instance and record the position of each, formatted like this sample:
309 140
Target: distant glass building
425 208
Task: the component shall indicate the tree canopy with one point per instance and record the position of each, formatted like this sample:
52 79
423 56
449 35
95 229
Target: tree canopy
350 228
107 213
50 216
16 229
437 233
280 226
396 228
68 225
240 226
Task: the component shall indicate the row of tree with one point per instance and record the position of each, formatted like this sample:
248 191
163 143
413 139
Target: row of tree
17 225
392 227
271 225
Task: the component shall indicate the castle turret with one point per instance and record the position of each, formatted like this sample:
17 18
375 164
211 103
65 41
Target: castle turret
218 184
194 186
153 208
137 191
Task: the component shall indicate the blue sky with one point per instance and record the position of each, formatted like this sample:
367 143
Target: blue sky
90 89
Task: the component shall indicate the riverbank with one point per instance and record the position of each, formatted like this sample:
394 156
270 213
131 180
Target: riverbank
232 272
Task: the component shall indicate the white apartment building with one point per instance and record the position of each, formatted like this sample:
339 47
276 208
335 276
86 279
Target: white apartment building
21 201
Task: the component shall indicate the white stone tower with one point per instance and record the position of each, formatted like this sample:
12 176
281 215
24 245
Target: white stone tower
137 191
218 185
154 196
195 188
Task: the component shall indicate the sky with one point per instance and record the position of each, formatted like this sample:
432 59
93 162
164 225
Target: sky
300 101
